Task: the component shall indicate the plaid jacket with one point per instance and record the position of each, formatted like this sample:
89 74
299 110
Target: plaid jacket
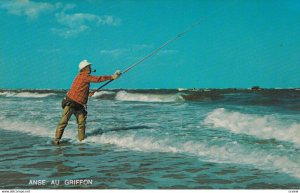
79 91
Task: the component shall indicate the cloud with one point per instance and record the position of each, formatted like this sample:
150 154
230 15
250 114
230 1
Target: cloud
116 53
135 52
77 19
167 52
66 6
139 49
124 52
142 46
71 25
27 8
74 24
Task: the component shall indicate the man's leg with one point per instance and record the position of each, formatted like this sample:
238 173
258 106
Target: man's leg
62 123
81 121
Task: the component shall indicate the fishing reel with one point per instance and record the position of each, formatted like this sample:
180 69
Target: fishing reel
118 72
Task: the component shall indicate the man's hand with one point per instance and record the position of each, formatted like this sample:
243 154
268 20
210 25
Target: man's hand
91 93
116 75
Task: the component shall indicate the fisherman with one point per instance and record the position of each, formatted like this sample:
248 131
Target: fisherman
76 100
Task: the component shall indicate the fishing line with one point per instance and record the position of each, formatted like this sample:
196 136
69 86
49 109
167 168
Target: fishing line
159 48
151 54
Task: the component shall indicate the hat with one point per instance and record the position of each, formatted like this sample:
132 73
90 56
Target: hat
83 64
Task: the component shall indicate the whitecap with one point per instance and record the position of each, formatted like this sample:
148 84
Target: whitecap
227 153
26 94
125 96
261 126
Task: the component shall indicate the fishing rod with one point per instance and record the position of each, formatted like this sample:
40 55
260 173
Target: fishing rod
150 54
162 46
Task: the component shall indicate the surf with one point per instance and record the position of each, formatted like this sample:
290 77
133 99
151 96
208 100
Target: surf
140 97
151 138
225 153
260 126
25 94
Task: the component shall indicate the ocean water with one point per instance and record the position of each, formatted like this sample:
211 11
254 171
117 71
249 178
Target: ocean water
154 139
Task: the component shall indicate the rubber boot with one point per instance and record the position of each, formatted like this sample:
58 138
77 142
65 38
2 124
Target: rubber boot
81 121
56 142
81 134
62 124
58 135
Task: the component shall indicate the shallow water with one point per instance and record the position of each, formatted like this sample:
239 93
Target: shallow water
154 139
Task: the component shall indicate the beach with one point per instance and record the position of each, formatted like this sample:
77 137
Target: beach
153 139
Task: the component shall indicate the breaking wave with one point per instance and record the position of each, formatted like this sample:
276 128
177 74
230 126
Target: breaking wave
32 128
261 126
26 94
228 153
125 96
109 95
102 93
231 152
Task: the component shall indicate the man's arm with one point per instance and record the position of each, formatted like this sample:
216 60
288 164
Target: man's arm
103 78
99 78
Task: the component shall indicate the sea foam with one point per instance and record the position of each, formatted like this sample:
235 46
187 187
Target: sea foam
125 96
101 93
228 153
25 94
232 152
34 128
261 126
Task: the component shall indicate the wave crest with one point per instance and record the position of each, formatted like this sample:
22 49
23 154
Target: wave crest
219 154
125 96
26 94
266 126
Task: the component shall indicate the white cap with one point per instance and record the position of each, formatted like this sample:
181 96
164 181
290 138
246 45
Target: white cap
83 64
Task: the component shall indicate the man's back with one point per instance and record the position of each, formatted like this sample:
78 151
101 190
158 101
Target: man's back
79 91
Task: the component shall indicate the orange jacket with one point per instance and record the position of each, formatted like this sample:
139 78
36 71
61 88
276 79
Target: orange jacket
79 91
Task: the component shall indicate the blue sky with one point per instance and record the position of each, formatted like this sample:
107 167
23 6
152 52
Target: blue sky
238 43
